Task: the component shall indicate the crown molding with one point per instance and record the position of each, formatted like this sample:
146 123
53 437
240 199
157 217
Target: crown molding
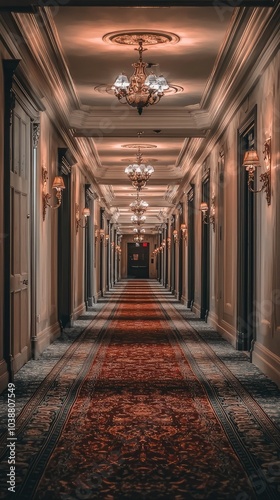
189 123
255 40
29 5
34 40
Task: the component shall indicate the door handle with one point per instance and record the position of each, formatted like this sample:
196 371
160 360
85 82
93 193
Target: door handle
24 282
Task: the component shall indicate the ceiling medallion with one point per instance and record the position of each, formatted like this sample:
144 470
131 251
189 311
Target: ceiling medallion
141 89
136 146
150 160
128 37
102 89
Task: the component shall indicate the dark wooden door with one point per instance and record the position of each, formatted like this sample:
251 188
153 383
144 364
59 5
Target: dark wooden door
205 256
191 253
64 243
138 260
246 245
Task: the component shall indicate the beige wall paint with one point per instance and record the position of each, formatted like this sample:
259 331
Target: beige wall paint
47 325
265 96
78 240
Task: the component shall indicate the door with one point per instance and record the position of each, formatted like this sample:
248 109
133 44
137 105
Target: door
191 253
138 260
20 238
180 277
64 242
246 245
205 255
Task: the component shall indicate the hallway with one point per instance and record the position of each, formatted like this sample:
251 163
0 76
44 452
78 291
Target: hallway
141 400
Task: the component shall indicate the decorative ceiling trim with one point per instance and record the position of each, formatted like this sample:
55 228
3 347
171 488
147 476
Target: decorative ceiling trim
28 5
194 122
225 99
132 37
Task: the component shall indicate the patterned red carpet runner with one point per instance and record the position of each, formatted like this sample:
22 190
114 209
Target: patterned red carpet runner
141 407
142 426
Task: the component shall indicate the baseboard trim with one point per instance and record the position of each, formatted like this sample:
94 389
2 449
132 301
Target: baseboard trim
44 339
184 300
97 296
196 309
267 362
78 311
21 358
227 331
4 375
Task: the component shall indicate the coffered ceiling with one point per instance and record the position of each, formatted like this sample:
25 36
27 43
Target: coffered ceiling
193 55
197 37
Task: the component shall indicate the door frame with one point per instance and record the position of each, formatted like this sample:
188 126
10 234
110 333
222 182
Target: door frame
205 250
191 247
14 90
246 244
146 251
64 253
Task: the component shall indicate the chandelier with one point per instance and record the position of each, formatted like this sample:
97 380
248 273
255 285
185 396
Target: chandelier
141 90
138 206
139 172
138 238
138 219
139 234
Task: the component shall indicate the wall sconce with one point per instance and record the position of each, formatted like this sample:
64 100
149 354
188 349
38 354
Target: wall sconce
251 161
101 234
163 244
175 235
85 214
208 219
106 239
168 242
58 184
184 230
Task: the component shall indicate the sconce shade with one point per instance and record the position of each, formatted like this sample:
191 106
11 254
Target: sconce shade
203 206
58 183
86 212
175 232
183 227
251 159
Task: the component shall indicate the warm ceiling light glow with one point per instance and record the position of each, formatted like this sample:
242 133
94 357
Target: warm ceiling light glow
141 90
